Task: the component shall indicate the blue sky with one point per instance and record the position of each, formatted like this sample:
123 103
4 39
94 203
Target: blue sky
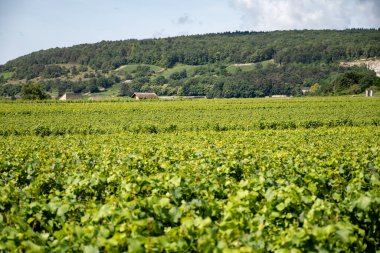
31 25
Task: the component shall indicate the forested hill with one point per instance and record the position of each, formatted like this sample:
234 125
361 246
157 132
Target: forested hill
305 46
237 64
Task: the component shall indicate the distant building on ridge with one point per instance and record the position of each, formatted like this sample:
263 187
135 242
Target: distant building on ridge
279 96
71 96
305 90
142 95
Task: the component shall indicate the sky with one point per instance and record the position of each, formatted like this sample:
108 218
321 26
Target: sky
31 25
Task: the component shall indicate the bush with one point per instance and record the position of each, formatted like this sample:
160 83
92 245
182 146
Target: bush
33 92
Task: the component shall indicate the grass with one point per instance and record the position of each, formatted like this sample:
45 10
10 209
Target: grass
130 68
158 71
110 92
67 65
247 67
190 69
7 75
177 68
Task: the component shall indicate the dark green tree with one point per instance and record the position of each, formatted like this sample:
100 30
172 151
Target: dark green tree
33 92
9 90
160 80
179 75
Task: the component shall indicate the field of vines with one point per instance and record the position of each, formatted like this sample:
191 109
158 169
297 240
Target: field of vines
225 175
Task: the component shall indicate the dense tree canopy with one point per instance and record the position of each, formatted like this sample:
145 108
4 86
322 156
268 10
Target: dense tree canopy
305 46
33 92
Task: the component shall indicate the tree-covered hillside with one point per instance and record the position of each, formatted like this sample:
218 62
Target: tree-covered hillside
297 58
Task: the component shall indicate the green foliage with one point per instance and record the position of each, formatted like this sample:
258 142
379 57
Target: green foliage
131 70
239 64
271 79
142 71
93 88
77 88
33 92
190 69
352 81
4 76
80 86
52 71
160 80
179 75
9 90
239 47
252 175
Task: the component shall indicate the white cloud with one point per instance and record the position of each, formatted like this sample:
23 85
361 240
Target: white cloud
266 15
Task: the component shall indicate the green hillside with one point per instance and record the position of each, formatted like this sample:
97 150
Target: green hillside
239 64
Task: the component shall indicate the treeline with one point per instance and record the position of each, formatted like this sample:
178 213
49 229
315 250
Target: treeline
216 82
284 47
91 85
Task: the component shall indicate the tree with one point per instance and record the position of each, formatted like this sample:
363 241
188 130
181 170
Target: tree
93 88
124 90
179 75
355 89
103 82
33 92
53 71
2 79
78 87
142 71
160 80
74 71
9 90
314 89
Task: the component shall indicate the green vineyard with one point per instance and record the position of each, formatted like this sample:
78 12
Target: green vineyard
224 175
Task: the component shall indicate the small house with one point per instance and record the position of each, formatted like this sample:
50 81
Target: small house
71 96
143 95
305 90
279 96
